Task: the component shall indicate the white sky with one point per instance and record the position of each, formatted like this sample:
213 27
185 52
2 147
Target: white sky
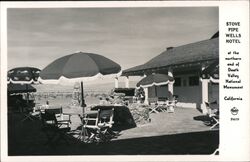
128 36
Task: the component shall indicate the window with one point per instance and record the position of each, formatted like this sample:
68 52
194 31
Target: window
193 81
177 82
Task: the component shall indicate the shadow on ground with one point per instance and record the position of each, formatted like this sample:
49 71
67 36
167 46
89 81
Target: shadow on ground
28 139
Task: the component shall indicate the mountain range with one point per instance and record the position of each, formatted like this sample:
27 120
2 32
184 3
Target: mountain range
100 87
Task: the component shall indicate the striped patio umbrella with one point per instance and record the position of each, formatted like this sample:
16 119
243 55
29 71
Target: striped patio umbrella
79 67
211 72
154 80
23 75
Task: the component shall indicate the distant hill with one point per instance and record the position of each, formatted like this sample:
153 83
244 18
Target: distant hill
100 87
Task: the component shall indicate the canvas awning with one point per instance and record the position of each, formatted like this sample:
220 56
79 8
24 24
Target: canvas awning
154 80
211 72
20 88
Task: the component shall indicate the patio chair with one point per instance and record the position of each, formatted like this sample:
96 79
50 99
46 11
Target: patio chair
163 104
55 130
31 113
60 116
105 124
154 107
89 126
97 126
172 103
213 115
158 105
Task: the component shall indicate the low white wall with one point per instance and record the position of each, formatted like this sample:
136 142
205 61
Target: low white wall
188 96
187 105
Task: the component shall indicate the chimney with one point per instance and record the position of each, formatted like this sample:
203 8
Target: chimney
169 48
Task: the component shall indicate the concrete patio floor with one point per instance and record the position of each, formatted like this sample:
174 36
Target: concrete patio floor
166 134
164 123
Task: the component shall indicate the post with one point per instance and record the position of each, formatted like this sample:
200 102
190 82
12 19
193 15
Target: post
170 85
204 83
171 90
204 90
116 82
27 94
146 95
127 82
83 101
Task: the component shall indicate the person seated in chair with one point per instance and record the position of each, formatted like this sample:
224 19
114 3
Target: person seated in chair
103 101
213 108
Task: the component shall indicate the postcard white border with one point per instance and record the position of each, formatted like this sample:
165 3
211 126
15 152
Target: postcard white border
233 146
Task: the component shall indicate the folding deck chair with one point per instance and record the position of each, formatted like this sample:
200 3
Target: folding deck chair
89 125
96 126
105 124
60 115
153 105
213 114
158 105
31 113
55 129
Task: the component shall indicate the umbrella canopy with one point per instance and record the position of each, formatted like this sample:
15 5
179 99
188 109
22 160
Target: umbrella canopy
79 67
23 75
211 72
154 79
20 88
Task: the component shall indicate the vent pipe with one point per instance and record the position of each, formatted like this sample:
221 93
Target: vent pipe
169 48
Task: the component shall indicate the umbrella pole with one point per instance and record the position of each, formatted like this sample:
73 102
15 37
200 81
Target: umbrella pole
27 97
155 91
83 101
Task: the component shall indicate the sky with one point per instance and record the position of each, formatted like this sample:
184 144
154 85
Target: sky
128 36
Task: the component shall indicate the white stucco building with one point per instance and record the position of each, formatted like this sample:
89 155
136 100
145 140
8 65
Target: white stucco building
185 63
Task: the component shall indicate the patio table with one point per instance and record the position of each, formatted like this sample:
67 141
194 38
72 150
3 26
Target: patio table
123 119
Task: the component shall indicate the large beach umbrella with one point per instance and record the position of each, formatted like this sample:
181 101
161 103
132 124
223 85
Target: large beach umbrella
79 67
23 76
211 72
154 80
